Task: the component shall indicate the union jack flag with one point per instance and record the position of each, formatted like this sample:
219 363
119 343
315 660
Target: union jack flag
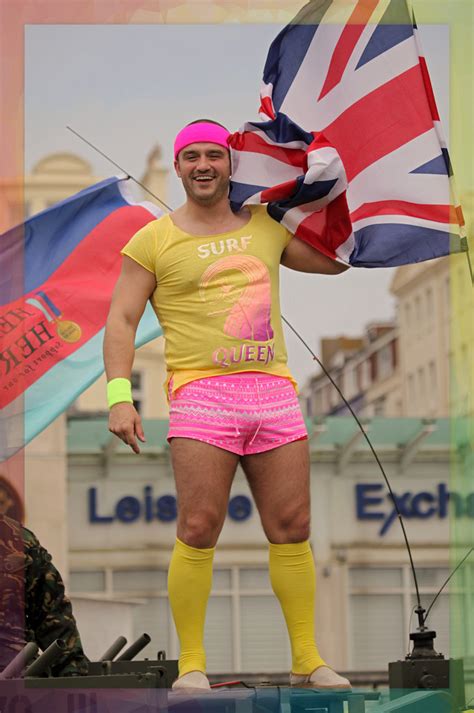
351 157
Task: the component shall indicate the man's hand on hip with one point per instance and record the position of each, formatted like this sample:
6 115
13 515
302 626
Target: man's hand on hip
125 422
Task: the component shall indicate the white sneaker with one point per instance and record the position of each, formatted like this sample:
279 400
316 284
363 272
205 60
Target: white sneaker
193 680
322 678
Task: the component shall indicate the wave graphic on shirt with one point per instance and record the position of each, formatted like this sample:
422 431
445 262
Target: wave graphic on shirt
248 307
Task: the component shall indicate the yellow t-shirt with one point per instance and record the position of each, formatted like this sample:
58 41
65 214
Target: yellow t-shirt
217 296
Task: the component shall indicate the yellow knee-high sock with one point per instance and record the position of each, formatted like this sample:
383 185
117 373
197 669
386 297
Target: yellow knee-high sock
293 579
189 586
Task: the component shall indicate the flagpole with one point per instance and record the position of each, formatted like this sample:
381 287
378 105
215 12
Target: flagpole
465 245
119 167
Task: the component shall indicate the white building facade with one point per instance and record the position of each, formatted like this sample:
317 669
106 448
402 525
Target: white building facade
423 293
122 520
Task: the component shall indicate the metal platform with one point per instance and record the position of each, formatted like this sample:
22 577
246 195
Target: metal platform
143 693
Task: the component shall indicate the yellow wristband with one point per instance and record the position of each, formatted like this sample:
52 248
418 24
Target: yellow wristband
119 391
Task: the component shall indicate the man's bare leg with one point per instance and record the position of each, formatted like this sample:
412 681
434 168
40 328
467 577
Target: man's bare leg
203 475
279 481
280 484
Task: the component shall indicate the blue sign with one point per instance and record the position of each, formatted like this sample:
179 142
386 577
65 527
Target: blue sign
374 503
148 508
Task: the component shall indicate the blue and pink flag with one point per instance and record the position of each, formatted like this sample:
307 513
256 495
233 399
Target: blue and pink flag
350 156
57 274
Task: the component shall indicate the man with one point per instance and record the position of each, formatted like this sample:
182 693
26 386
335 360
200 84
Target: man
34 606
212 277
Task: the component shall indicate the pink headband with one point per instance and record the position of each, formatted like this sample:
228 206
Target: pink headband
200 133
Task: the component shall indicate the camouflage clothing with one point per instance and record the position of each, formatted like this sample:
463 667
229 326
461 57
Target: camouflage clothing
33 604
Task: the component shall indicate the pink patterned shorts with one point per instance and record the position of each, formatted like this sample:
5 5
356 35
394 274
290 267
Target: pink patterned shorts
244 413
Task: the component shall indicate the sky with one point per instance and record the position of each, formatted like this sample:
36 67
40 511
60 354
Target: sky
127 88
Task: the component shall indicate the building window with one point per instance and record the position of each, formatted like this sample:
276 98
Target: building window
423 406
364 375
137 390
140 580
433 385
328 396
394 346
379 406
245 628
153 618
321 404
385 361
319 401
408 316
418 314
381 613
430 312
334 397
351 382
373 368
87 581
411 400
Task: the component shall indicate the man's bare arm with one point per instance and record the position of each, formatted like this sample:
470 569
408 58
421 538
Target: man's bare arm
300 256
132 291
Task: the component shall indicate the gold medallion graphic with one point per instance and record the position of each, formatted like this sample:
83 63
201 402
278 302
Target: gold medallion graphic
69 331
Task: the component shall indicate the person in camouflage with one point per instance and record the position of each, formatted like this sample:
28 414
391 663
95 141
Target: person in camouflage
33 604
